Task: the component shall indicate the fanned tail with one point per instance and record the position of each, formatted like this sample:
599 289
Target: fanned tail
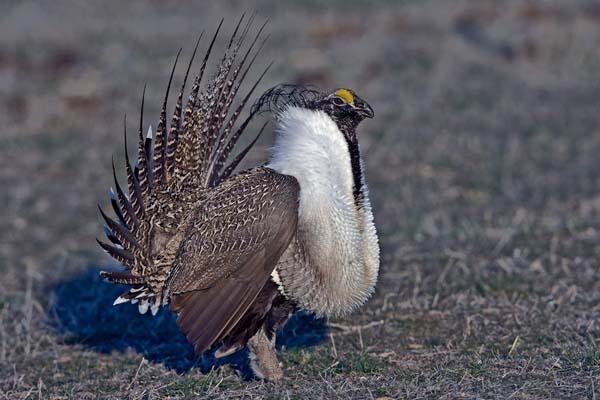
174 165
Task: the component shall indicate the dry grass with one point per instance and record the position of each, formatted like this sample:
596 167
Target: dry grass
483 167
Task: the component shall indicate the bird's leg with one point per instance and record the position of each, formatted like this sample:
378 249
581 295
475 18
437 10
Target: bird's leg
263 356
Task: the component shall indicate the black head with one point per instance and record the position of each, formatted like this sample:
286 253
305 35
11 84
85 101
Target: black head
344 105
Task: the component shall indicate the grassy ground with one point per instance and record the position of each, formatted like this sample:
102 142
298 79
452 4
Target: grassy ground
484 173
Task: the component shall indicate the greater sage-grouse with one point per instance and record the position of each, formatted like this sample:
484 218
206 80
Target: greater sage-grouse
234 255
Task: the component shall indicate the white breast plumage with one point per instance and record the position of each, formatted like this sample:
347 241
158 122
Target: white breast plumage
338 239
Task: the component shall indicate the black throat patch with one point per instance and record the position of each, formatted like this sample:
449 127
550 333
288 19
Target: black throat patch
349 131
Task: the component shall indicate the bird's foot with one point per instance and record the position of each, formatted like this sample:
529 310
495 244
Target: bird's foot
263 357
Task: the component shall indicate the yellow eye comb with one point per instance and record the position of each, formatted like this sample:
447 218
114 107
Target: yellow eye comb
346 95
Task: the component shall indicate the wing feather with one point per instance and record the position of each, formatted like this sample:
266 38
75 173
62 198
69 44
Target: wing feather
230 251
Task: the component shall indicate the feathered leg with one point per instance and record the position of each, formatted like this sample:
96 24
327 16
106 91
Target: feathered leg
263 356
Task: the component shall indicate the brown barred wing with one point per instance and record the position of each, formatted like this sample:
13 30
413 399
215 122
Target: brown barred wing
176 164
230 251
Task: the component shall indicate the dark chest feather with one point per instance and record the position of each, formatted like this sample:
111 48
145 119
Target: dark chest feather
349 132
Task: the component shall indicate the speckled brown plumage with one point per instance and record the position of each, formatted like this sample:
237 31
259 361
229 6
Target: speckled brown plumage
233 242
188 233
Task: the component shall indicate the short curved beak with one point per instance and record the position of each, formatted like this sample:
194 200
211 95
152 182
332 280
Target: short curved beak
369 113
366 110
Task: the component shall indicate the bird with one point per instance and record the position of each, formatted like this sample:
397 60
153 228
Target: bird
235 254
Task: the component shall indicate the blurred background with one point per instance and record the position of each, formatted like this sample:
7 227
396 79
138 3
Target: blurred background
482 163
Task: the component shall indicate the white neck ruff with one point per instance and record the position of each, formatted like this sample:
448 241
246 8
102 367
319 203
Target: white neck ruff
339 239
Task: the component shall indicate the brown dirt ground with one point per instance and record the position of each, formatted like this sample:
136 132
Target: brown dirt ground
482 163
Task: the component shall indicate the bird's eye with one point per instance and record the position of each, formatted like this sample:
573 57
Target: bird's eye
338 102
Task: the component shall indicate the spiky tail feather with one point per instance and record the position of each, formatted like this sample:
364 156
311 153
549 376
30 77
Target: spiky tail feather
191 151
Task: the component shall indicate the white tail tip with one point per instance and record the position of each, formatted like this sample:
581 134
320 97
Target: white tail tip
120 300
143 307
